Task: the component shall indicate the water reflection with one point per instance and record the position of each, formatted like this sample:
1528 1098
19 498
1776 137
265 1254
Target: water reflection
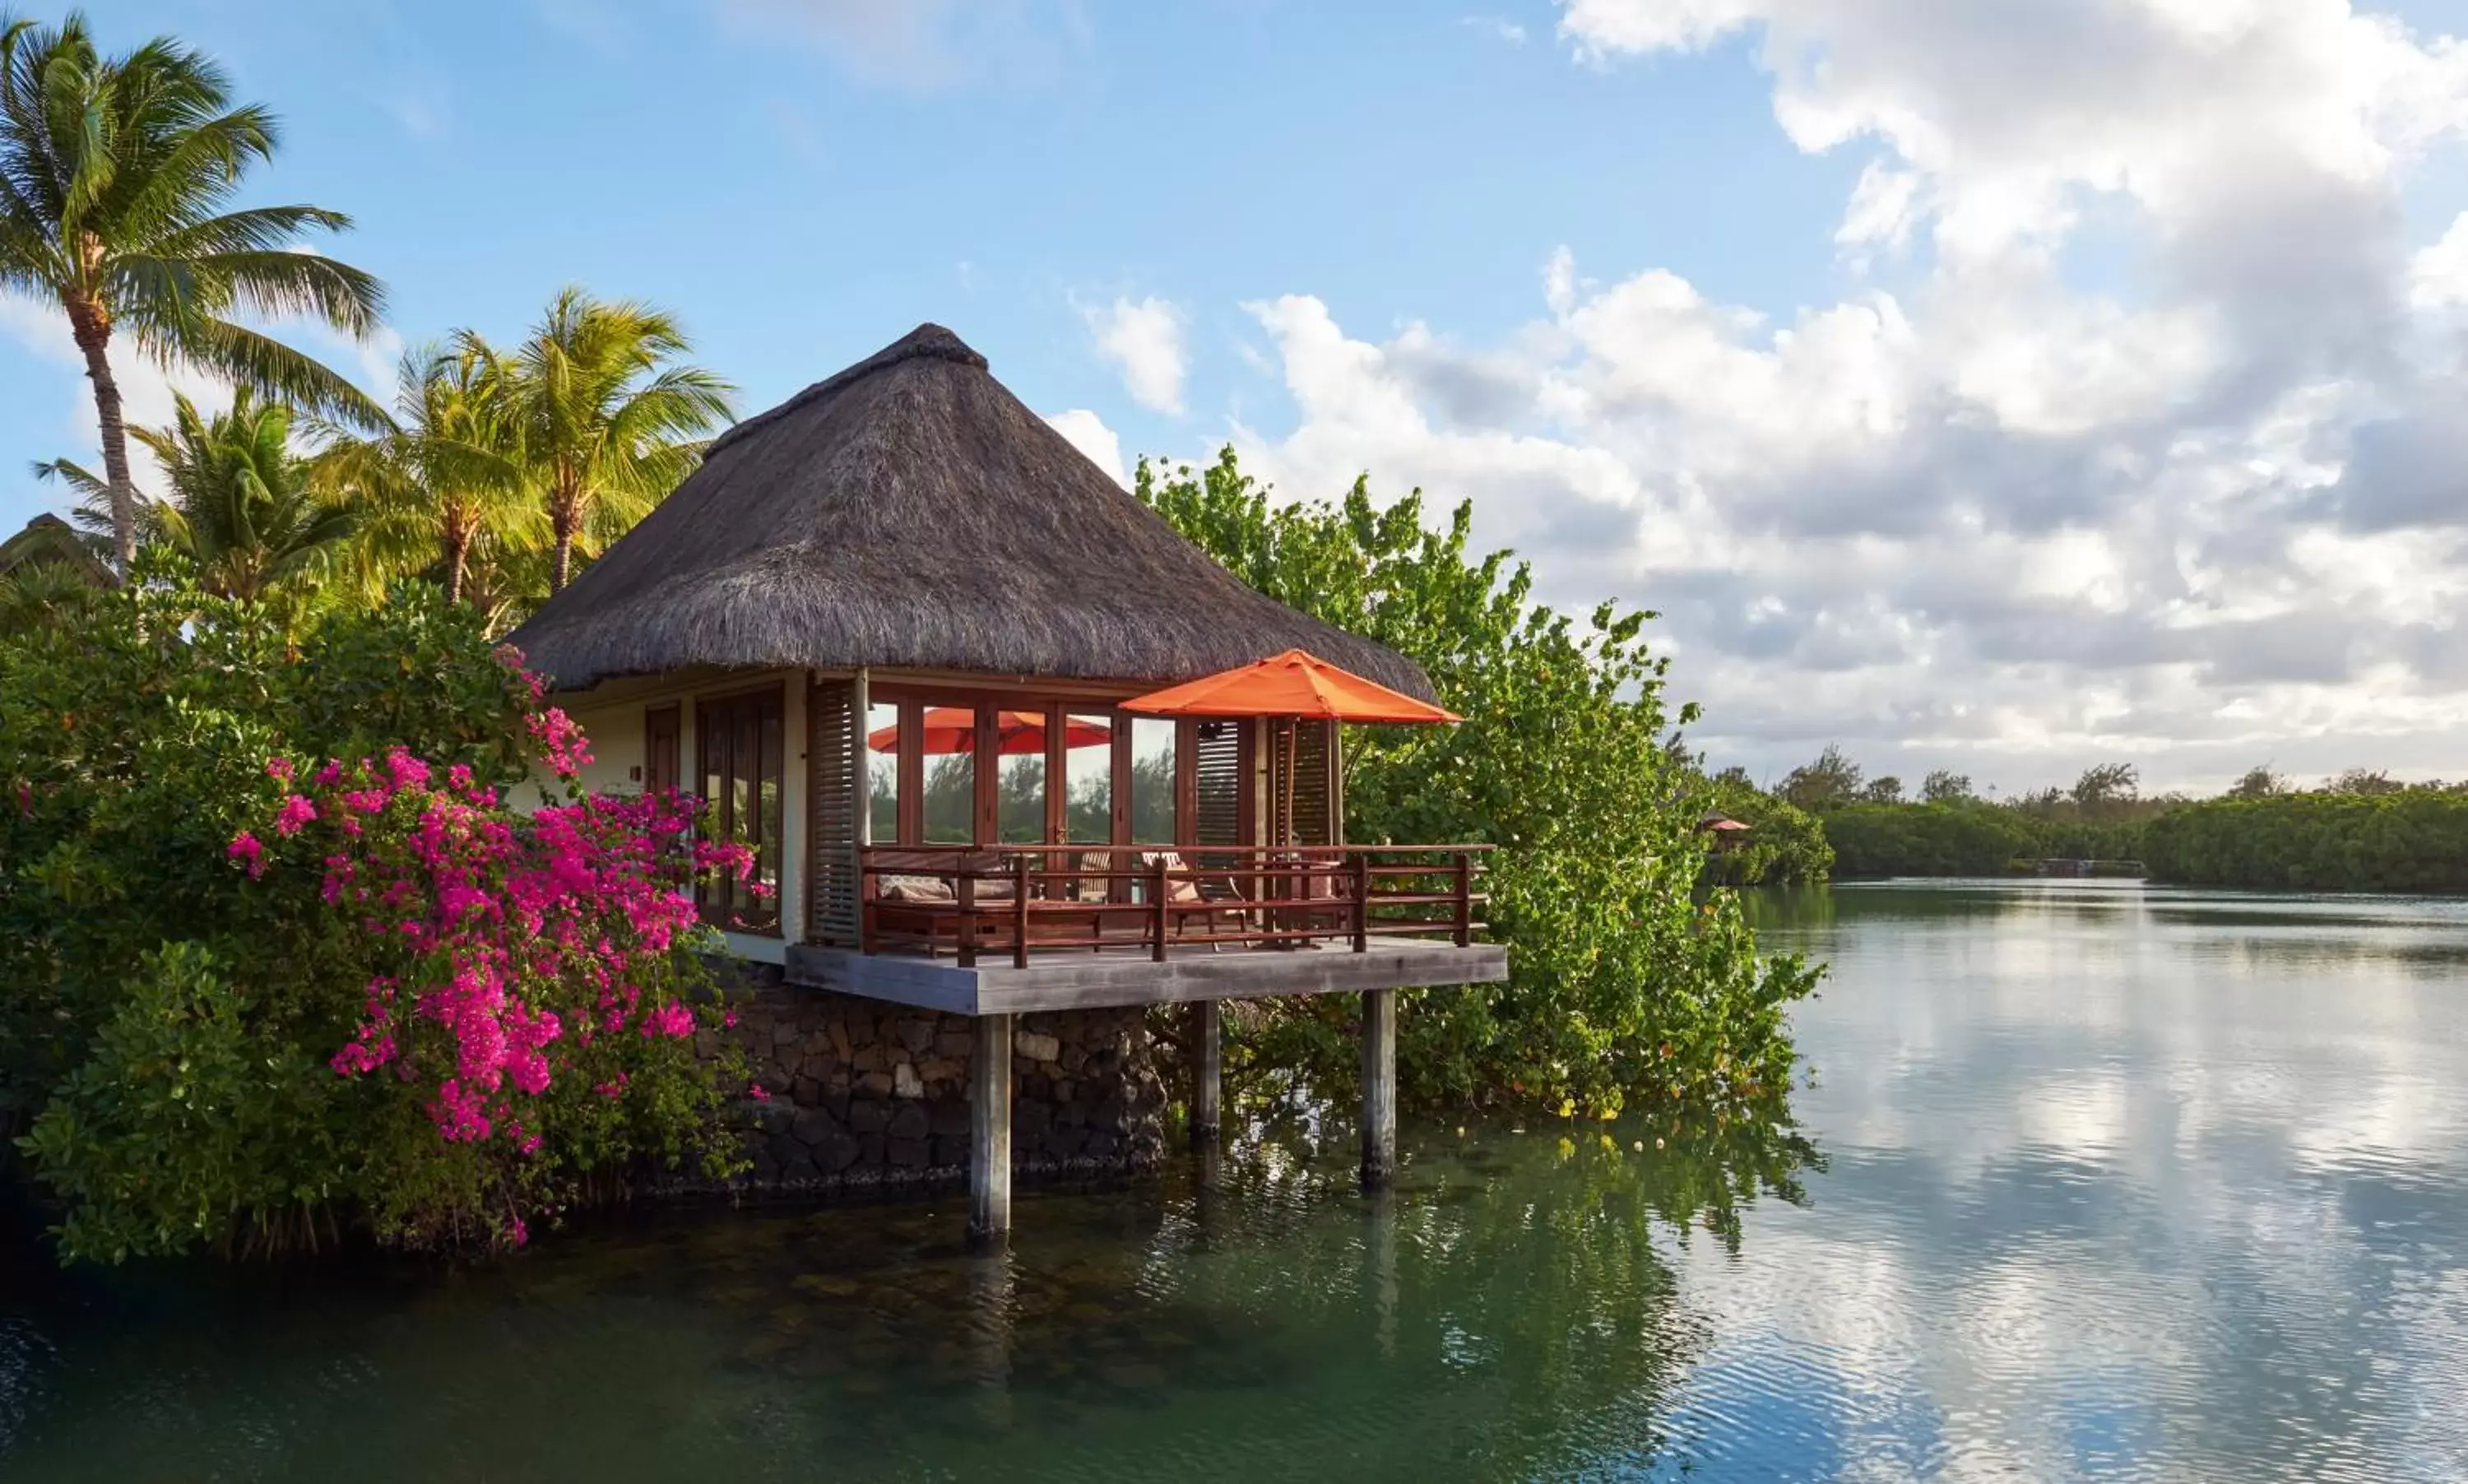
1510 1310
2125 1183
2116 1184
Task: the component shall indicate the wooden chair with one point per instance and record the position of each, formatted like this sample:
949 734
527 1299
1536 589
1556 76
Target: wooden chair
1212 898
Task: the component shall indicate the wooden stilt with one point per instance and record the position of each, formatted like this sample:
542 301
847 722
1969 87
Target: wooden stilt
1379 1087
1207 1065
990 1130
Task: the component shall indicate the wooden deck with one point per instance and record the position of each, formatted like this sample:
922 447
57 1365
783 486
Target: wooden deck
1132 977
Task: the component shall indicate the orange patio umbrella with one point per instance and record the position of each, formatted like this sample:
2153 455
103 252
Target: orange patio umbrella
1295 686
954 729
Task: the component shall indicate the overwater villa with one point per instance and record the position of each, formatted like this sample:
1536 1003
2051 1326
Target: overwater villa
936 667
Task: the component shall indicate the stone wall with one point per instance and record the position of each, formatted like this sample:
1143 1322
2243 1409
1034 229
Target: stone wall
867 1094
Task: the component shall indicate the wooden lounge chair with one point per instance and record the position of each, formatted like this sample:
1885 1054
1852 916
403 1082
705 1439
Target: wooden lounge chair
1196 893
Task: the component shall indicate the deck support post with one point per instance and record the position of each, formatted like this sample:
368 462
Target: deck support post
1379 1087
1208 1068
990 1132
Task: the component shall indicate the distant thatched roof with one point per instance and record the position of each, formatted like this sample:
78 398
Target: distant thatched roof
911 513
50 540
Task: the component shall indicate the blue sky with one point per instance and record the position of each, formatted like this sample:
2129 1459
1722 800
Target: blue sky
801 202
1834 458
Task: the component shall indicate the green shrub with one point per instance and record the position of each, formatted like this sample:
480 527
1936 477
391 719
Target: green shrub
176 984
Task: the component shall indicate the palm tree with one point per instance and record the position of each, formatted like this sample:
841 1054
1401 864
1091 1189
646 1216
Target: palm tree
442 480
508 582
242 506
115 174
609 424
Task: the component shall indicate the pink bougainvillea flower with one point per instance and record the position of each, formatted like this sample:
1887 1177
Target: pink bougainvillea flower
509 950
759 1093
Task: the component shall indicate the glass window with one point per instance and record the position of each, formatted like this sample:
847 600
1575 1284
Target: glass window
738 751
950 778
1088 774
1152 745
882 771
1019 792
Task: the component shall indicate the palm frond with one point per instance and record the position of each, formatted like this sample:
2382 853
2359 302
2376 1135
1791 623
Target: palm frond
252 229
293 285
84 482
251 358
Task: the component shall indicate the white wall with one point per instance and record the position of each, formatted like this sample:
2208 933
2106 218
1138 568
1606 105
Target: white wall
615 734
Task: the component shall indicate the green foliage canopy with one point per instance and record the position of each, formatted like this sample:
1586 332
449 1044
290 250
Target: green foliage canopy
2406 840
1622 981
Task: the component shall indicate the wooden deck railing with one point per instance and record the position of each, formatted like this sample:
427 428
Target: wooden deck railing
1024 899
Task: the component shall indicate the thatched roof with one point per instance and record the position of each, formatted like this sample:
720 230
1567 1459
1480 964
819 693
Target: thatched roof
911 513
49 541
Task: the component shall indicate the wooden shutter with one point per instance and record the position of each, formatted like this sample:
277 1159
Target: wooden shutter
1314 791
833 756
1221 794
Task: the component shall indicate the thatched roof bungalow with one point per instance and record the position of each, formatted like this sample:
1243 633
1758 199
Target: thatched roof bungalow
886 631
897 612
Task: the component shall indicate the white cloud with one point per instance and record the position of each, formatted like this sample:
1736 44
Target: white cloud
2439 278
2200 510
1143 340
1088 433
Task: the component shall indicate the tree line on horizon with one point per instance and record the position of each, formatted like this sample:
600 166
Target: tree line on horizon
489 470
2359 829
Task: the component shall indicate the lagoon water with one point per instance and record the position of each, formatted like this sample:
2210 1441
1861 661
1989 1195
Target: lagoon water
2095 1181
